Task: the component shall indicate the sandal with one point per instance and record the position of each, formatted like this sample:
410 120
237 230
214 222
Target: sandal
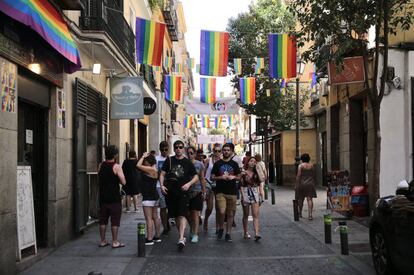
118 246
257 238
310 218
247 236
103 244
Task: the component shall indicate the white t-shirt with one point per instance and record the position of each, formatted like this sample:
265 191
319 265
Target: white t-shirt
160 162
239 161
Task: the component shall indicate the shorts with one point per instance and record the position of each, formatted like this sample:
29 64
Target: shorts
161 201
178 204
224 201
250 195
113 210
196 203
151 203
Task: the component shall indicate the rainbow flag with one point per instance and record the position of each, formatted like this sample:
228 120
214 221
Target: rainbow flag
188 122
248 90
282 56
198 68
205 122
217 122
178 68
282 86
259 65
214 51
167 62
190 63
149 38
312 80
237 66
43 18
230 120
172 88
207 90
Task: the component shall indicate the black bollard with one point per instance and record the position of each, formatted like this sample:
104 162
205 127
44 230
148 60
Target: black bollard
266 191
141 239
327 220
295 210
343 230
272 193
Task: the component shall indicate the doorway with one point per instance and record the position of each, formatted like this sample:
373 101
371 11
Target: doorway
32 151
142 139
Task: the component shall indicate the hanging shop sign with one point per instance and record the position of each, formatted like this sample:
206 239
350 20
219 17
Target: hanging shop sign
127 98
149 106
353 71
220 107
8 85
210 139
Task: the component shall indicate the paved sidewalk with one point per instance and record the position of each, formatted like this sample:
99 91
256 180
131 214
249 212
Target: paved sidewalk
287 247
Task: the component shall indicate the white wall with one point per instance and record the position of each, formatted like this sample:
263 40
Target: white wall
395 122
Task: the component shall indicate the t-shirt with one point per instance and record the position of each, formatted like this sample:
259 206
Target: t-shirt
160 162
198 166
222 167
183 169
238 160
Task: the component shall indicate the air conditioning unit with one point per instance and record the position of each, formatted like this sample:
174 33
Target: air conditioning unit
324 86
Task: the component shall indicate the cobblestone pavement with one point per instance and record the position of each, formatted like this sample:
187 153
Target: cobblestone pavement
287 247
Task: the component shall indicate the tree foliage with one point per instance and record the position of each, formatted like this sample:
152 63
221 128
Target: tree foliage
249 39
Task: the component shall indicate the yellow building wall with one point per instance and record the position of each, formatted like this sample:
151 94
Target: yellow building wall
307 145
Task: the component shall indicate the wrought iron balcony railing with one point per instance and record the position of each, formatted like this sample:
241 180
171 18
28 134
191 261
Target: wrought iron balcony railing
170 17
106 16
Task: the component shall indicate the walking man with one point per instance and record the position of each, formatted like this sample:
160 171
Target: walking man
226 173
177 175
164 150
110 175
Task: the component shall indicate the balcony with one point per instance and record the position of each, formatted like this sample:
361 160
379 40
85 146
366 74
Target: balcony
170 17
105 16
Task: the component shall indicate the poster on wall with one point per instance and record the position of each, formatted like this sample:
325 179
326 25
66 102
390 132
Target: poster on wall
61 108
127 98
8 76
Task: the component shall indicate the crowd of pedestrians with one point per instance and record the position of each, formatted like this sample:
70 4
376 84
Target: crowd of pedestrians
179 184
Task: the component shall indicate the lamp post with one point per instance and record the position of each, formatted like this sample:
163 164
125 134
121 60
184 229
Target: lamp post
300 67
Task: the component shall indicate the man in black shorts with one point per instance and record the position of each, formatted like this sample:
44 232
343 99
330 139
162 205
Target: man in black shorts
177 175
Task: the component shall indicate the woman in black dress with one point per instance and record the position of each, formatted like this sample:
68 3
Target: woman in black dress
129 167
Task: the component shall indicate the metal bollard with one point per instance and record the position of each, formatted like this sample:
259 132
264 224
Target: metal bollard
141 239
266 191
327 220
295 210
343 230
272 193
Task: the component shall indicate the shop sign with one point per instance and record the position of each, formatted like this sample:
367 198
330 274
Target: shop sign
353 71
149 106
8 86
210 139
127 98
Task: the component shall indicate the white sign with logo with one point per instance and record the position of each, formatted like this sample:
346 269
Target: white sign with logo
221 107
210 139
127 94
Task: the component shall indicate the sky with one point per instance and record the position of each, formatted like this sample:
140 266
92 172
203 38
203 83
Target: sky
209 15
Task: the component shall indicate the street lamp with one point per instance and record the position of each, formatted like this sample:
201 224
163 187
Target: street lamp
300 67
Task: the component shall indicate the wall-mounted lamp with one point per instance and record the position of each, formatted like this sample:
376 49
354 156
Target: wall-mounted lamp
35 67
96 69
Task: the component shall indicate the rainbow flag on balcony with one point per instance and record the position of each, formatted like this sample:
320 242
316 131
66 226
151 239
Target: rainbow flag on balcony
172 87
248 90
230 120
237 66
217 122
198 68
149 38
259 65
282 56
190 63
188 122
205 122
214 51
43 18
178 68
207 90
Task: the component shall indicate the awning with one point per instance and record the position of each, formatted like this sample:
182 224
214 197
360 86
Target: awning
43 18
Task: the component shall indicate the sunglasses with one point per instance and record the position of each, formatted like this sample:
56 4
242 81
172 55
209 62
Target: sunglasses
217 151
190 153
226 150
164 150
178 147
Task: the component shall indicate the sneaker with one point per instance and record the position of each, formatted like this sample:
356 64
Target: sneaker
136 211
227 238
156 240
172 221
194 239
127 211
220 234
149 242
181 244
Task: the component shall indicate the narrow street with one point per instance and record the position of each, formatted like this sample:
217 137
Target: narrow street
287 247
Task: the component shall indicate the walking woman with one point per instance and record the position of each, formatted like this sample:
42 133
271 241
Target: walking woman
197 194
147 164
250 190
129 166
305 185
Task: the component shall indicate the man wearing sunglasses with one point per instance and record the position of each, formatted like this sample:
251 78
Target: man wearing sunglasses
164 150
226 173
177 175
